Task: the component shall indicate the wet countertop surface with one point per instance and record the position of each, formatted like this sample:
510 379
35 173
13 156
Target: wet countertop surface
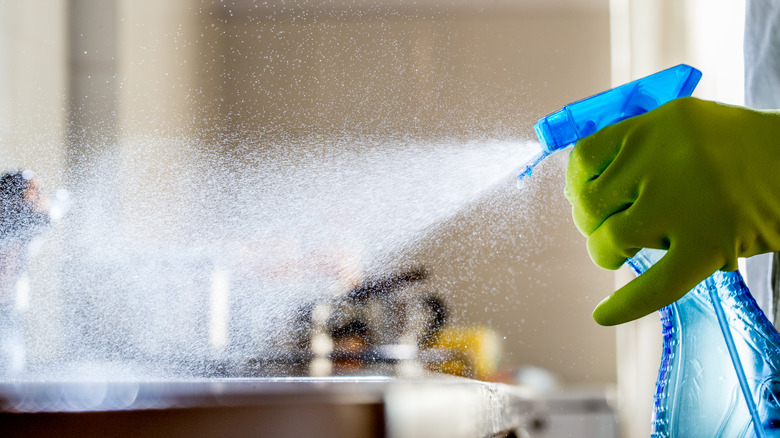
267 407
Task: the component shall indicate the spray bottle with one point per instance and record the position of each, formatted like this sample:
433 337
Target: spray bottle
720 364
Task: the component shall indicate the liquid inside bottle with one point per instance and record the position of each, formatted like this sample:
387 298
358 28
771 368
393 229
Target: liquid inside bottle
698 393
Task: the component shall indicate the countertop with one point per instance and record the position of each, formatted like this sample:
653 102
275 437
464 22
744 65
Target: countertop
342 407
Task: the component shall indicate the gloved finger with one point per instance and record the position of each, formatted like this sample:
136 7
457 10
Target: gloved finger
679 271
614 191
634 226
590 156
615 240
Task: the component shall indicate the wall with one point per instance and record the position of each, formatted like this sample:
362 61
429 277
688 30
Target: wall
184 73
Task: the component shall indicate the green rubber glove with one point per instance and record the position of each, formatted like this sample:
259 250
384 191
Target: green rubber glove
696 178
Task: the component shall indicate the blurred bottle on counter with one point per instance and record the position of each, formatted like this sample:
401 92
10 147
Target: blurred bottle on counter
471 351
465 351
23 216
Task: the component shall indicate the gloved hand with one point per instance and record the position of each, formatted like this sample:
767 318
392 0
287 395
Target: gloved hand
696 178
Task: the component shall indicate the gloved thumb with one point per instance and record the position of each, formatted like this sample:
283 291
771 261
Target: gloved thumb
679 271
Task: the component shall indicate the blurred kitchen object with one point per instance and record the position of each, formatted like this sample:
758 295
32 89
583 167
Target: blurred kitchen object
379 325
537 379
382 327
466 351
584 413
23 216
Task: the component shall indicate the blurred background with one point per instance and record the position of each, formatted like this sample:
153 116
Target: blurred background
216 140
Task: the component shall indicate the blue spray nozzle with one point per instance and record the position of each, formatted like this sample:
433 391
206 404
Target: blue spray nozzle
529 168
582 118
556 131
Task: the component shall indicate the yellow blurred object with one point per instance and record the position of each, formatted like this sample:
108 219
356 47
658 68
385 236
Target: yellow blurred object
467 351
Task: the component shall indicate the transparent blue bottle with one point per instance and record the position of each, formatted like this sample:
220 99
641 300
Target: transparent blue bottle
719 374
698 392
